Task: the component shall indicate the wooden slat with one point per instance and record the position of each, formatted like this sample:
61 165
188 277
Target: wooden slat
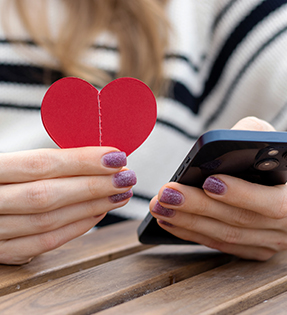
114 282
274 306
92 249
228 289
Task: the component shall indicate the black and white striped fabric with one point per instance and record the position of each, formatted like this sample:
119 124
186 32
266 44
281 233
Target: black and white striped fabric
227 60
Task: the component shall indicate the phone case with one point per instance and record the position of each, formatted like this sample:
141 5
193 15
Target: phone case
256 156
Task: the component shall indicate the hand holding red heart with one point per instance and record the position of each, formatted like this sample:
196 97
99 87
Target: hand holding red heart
48 197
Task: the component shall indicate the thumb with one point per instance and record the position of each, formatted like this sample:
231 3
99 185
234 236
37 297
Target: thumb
253 123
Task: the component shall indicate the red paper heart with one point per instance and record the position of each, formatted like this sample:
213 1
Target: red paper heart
121 115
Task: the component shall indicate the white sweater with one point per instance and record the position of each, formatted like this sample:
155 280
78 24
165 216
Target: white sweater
227 60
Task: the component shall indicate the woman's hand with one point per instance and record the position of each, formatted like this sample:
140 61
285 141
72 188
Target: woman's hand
230 214
48 197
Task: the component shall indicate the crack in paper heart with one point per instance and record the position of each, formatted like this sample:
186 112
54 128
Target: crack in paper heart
100 120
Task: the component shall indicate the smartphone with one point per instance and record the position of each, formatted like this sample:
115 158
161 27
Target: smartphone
256 156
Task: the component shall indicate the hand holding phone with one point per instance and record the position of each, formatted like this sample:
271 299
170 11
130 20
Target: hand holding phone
256 156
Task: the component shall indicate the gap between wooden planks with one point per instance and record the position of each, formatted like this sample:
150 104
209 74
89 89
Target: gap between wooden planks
274 306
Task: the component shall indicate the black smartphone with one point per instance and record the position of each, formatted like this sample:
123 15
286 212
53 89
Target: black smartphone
256 156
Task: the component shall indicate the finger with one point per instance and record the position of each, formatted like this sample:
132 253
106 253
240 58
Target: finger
253 123
12 226
246 252
50 194
269 201
225 233
50 163
21 250
197 202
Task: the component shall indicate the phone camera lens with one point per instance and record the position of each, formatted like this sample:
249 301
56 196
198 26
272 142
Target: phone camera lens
267 165
273 152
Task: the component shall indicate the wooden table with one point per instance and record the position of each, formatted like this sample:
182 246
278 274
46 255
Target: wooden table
108 272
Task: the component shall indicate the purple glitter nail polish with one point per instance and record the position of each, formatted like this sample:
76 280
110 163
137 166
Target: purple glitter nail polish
215 186
159 209
114 159
120 197
171 196
125 179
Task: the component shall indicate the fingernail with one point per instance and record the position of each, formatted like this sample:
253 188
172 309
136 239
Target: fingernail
120 197
114 159
124 179
165 223
215 186
171 196
159 209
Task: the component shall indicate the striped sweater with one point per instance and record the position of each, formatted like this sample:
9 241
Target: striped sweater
226 60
